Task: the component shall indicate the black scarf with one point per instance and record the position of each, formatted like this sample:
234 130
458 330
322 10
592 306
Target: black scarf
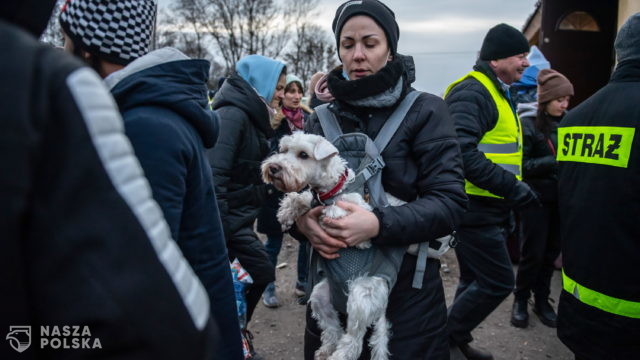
350 90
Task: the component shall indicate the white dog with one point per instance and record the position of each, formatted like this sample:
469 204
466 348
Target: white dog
310 160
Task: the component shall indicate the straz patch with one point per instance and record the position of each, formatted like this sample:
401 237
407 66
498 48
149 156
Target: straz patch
604 145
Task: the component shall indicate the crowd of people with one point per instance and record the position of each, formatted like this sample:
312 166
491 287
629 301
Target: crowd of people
127 192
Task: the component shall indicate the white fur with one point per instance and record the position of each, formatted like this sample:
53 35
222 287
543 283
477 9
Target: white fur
311 160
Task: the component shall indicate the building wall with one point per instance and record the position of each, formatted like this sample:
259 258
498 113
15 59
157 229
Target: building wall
627 8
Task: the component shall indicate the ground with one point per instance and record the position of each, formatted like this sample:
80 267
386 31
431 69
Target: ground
279 332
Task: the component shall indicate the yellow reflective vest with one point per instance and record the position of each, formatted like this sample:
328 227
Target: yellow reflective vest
502 145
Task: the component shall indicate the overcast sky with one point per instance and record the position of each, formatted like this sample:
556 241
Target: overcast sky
443 36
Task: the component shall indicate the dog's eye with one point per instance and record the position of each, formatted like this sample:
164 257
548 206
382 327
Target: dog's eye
283 150
303 155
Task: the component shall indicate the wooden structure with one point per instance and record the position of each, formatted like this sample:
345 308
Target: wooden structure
577 36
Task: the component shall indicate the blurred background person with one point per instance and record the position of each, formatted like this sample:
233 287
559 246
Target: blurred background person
489 134
246 103
540 225
291 116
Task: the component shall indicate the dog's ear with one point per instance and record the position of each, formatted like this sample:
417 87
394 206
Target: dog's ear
324 150
284 142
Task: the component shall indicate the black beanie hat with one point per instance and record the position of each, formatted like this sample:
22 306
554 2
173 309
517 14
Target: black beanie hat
379 12
503 41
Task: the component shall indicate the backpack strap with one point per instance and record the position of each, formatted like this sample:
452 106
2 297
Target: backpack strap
393 122
329 123
372 167
421 265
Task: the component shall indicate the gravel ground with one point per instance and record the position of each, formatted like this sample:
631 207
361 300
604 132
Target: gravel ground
279 332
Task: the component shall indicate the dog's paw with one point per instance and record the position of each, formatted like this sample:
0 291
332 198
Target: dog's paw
322 354
364 245
285 225
334 212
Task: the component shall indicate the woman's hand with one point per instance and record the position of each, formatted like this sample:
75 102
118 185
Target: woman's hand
358 226
325 245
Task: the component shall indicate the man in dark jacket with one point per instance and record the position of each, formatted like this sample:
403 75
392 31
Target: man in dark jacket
162 96
246 102
490 139
83 242
599 199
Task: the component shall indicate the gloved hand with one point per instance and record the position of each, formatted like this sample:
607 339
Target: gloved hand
523 196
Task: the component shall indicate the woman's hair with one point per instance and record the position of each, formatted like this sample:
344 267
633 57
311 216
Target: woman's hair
543 122
289 87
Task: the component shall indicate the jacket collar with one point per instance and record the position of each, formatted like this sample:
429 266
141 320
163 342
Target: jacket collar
483 67
627 71
147 61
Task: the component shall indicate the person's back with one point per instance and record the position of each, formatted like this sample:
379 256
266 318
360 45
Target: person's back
83 242
162 96
599 155
165 114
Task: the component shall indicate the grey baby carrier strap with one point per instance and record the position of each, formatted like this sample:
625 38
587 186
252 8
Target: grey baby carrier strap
379 260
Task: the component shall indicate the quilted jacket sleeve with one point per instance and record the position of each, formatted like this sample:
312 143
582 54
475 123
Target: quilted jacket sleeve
474 114
441 200
223 157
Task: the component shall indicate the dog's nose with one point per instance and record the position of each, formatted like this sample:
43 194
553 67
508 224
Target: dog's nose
274 169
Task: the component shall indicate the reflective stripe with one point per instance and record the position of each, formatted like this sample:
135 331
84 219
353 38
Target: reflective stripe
603 145
514 169
106 129
499 148
630 309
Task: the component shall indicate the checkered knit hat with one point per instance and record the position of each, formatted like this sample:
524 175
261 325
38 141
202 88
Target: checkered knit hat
118 31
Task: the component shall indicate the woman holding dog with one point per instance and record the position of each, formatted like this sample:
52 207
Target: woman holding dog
423 168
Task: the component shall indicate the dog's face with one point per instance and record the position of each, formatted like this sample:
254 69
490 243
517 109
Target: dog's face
303 159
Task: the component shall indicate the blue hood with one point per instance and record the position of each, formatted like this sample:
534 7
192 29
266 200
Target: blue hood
262 73
166 78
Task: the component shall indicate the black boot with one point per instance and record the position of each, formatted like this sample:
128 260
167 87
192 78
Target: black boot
545 312
472 353
519 314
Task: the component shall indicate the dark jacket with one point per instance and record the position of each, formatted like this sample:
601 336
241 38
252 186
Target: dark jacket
423 168
475 113
539 166
83 242
600 212
166 117
235 160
